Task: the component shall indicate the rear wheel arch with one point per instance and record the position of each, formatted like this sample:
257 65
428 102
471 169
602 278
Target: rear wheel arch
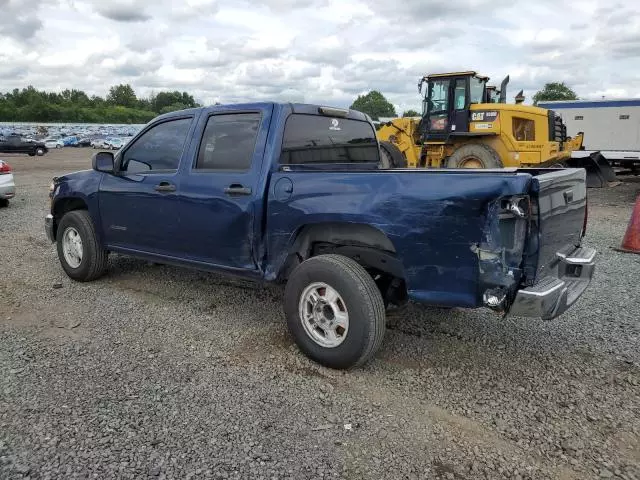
365 244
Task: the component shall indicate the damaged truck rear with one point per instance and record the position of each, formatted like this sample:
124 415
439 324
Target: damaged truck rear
294 194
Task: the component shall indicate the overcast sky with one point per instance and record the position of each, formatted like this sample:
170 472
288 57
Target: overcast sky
319 51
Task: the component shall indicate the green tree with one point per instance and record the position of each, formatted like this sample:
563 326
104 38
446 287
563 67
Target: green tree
164 100
122 95
410 113
554 91
374 104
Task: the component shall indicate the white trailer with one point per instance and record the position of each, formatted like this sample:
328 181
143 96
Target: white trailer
611 127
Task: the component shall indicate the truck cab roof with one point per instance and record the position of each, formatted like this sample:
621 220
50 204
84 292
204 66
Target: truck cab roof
303 108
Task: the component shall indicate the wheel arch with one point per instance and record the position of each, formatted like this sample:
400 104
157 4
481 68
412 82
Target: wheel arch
64 205
364 243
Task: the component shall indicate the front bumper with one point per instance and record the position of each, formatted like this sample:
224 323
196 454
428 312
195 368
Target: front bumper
48 227
553 295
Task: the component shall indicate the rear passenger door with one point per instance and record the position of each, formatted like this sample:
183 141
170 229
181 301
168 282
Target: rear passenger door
220 187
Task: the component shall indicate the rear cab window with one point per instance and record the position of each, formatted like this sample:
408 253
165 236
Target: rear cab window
318 139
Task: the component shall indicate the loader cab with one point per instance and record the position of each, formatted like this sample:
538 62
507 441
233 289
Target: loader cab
447 101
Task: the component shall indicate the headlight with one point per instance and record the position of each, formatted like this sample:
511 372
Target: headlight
52 187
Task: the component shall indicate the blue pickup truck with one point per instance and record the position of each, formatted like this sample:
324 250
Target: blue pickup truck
298 195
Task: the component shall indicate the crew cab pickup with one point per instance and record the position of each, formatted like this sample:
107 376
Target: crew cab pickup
296 194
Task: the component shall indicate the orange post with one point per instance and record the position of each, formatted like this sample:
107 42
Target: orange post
631 240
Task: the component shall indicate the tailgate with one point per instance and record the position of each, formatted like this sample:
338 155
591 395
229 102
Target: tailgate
561 211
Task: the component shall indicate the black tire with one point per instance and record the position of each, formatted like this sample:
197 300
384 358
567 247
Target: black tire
391 156
39 152
362 300
94 256
4 202
474 153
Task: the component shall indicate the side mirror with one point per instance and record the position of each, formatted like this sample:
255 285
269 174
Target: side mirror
103 162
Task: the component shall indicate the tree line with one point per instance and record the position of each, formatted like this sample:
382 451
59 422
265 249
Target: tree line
121 105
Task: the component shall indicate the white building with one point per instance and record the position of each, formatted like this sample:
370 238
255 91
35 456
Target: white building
608 125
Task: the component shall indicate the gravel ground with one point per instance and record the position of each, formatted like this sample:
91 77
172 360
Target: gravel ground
160 372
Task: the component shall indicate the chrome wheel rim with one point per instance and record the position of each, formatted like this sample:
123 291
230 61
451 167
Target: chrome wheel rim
72 247
324 315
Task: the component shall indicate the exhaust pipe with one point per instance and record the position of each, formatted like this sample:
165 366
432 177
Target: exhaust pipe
503 89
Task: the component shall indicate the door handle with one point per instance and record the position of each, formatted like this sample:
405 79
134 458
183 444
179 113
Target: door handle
237 189
165 187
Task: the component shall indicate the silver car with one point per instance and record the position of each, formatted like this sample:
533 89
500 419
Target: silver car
7 185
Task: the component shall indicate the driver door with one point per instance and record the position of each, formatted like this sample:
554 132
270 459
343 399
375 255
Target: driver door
139 204
460 111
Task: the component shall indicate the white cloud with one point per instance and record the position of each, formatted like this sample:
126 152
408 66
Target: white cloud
324 51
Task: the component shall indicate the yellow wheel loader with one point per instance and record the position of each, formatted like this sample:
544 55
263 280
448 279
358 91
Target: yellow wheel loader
466 123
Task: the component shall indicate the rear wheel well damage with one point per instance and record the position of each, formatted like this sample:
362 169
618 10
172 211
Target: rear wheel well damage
365 244
63 206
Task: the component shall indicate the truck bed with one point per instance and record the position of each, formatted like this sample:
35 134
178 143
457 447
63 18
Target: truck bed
452 215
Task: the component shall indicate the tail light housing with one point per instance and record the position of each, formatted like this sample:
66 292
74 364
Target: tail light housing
4 168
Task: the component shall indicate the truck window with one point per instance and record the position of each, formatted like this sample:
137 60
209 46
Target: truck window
159 148
320 139
228 142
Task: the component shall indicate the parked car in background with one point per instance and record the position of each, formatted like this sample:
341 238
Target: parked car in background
116 143
83 142
51 143
7 184
70 141
100 143
16 144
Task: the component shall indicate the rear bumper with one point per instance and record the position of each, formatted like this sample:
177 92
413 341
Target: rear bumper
553 295
48 227
7 187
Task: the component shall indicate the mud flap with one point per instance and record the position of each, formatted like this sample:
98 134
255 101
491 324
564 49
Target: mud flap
599 172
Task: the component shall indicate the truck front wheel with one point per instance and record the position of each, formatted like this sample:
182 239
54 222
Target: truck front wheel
334 311
79 251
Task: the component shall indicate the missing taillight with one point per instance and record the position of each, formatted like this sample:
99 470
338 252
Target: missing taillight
518 206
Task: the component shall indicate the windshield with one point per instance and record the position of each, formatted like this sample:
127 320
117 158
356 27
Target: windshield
477 89
439 95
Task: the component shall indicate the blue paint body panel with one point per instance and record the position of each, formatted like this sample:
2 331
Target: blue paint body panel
432 218
434 221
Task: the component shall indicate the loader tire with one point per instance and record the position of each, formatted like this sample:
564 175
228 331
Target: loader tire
391 156
474 155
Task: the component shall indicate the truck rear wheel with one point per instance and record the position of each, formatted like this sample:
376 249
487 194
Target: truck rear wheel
79 251
391 156
334 311
474 155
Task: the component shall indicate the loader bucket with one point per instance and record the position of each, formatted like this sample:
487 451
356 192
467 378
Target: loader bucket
599 172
